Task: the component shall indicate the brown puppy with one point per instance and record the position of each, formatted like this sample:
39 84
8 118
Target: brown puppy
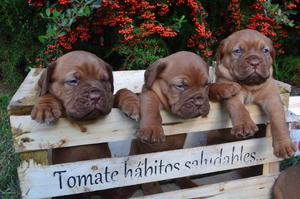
246 57
179 84
81 84
287 186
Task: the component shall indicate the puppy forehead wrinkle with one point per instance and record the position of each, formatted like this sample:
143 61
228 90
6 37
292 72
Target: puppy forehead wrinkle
247 39
91 70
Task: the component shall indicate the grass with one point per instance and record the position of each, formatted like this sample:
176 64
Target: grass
9 187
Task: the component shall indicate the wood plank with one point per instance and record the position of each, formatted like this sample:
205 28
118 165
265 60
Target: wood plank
30 135
27 94
248 188
25 97
294 105
39 157
270 168
201 180
63 179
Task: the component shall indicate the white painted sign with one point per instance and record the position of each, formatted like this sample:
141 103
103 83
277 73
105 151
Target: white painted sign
84 176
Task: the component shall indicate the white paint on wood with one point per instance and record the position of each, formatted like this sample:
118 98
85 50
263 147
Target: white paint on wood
122 148
27 93
294 105
30 135
47 181
132 80
248 188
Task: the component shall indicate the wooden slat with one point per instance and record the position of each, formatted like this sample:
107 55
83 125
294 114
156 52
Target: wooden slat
30 135
39 157
270 168
294 105
27 94
200 180
193 161
248 188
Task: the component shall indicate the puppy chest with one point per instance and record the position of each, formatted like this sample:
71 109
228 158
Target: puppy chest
247 97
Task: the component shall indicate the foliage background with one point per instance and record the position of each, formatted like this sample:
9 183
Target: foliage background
129 34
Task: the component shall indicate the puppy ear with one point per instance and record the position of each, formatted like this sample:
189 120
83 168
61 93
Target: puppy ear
45 78
153 71
220 51
110 74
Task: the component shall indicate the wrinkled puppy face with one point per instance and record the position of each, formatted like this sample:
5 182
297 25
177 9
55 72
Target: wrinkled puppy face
182 79
83 82
248 56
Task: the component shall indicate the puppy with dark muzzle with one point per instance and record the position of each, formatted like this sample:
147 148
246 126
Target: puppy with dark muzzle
246 57
81 84
179 84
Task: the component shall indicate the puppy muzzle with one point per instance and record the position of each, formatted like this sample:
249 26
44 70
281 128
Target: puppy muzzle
90 104
252 71
193 107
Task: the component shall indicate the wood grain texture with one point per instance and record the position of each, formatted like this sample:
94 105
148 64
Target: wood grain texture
27 94
248 188
79 177
270 168
30 135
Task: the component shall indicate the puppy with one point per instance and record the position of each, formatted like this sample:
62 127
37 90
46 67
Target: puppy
288 183
81 84
246 58
179 84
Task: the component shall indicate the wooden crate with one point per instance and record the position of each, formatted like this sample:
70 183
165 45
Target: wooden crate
39 179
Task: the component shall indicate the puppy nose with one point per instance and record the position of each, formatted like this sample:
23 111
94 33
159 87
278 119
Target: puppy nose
94 95
254 61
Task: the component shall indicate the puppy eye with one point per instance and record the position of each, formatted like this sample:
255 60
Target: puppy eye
266 50
237 51
180 87
72 82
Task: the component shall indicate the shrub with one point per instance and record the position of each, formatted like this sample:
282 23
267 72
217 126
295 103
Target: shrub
138 32
20 27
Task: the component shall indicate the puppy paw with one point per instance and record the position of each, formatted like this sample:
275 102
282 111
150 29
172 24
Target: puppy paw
244 130
284 148
132 111
46 112
151 134
230 89
222 91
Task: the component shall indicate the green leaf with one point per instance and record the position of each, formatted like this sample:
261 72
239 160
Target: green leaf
48 12
55 13
279 12
291 24
43 39
64 22
51 30
86 11
71 21
87 2
61 34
